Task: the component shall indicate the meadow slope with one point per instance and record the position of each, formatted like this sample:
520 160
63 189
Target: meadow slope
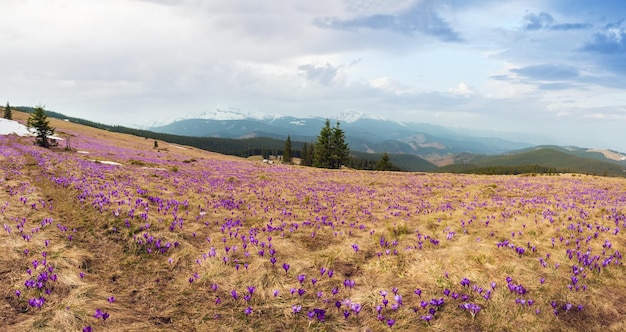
117 235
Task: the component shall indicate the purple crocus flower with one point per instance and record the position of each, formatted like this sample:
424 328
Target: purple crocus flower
286 267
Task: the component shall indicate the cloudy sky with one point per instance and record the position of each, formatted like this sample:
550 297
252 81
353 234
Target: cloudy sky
554 70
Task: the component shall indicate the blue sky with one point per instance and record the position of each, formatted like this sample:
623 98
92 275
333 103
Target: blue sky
541 71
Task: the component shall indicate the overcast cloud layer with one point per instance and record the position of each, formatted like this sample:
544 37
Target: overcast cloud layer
554 69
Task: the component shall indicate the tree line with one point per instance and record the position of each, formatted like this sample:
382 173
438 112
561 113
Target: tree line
330 150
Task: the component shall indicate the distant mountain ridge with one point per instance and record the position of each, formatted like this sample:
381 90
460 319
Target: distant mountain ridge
364 132
543 159
535 159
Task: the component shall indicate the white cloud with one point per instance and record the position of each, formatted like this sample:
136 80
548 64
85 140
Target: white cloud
463 90
147 59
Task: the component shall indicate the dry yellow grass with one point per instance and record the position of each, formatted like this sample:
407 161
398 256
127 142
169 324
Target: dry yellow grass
224 218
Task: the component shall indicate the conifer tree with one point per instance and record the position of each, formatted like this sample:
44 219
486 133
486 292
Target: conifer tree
304 154
38 120
331 149
339 148
323 147
310 155
287 153
384 164
8 114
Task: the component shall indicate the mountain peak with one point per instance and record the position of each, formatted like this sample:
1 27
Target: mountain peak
231 113
353 116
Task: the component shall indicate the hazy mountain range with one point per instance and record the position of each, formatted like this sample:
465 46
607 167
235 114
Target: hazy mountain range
412 147
364 132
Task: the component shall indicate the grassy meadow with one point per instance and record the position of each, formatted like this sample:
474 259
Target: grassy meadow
115 234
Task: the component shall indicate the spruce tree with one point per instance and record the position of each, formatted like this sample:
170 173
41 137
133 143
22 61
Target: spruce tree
287 153
339 148
331 149
8 114
311 154
304 155
384 164
38 120
323 147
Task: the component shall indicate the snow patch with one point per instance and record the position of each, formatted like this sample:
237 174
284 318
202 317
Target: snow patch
8 127
106 162
154 168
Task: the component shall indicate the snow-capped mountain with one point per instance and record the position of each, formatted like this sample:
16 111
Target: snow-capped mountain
232 114
222 114
354 116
